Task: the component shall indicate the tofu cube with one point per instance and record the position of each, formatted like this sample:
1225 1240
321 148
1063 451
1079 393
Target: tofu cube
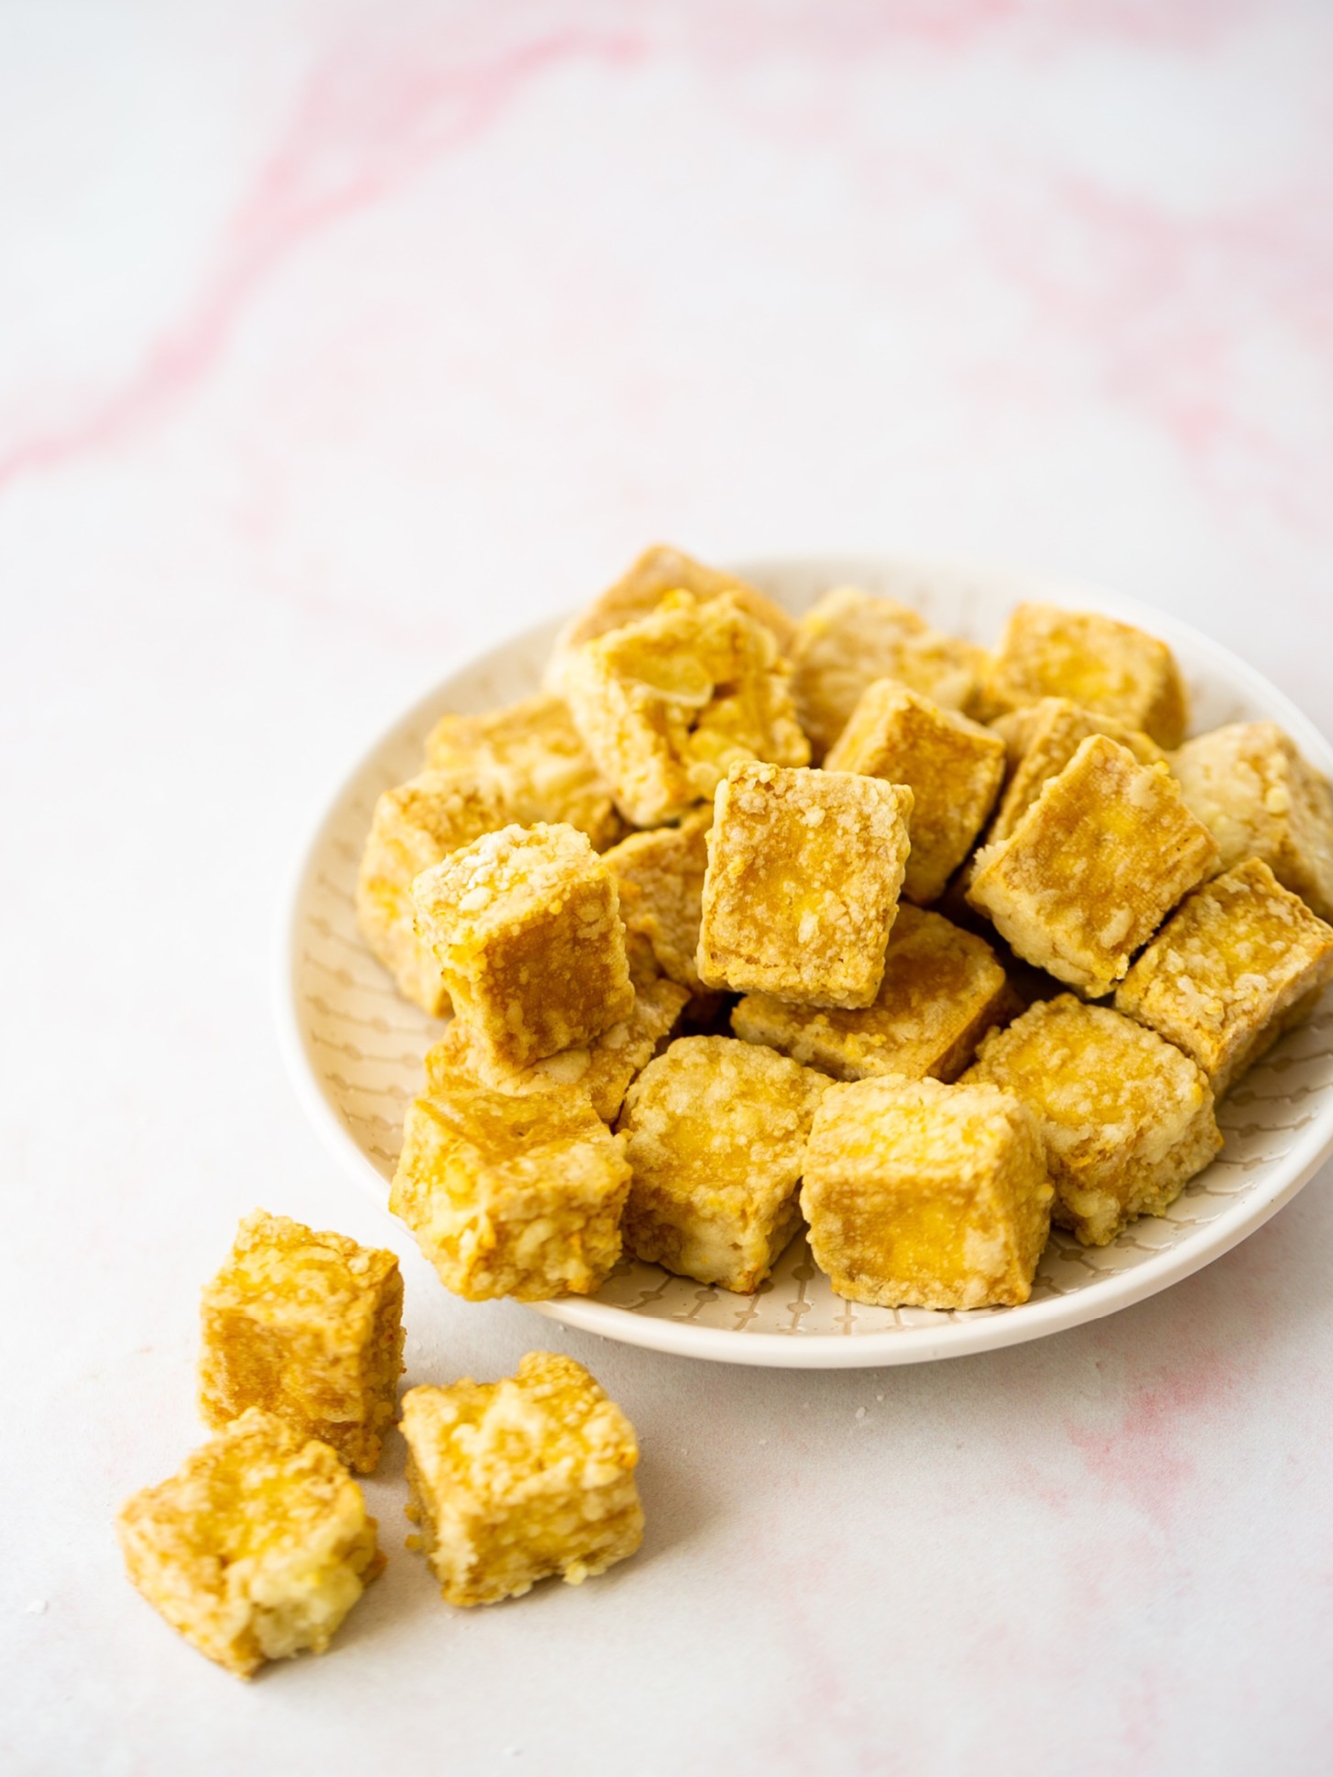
601 1070
716 1134
1260 799
952 766
512 1482
661 880
309 1327
258 1546
1108 667
1040 740
1239 962
1127 1119
924 1195
942 991
511 1195
415 825
1093 867
534 750
804 869
667 703
526 925
850 638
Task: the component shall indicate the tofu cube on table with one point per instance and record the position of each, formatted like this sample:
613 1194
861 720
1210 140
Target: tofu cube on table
513 1482
308 1326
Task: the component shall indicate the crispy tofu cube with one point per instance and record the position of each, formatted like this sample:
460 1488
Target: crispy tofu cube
716 1132
952 766
804 869
1240 961
536 753
942 991
1093 867
512 1482
1108 667
851 638
1040 740
257 1548
416 825
526 925
1127 1119
511 1195
310 1327
661 880
602 1069
925 1195
1260 799
667 703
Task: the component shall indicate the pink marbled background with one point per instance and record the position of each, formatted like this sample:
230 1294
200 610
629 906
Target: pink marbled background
337 340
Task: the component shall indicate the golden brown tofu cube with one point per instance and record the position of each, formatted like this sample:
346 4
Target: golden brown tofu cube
1093 867
310 1327
511 1195
1108 667
851 638
536 753
1239 962
416 825
526 925
1040 741
666 704
602 1070
1127 1119
658 572
512 1482
804 869
925 1195
942 991
1260 799
256 1549
716 1132
952 766
661 881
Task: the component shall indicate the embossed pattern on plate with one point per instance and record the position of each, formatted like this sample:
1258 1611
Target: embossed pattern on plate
355 1048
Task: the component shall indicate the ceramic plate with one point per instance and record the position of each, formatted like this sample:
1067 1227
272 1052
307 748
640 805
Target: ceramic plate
354 1048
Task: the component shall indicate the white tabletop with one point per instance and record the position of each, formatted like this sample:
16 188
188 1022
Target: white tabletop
336 340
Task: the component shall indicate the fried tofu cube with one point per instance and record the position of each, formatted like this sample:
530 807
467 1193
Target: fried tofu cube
1108 667
526 925
716 1135
511 1195
804 869
942 991
602 1069
415 825
1240 961
1093 867
661 880
1126 1117
536 753
1040 740
667 703
258 1546
660 571
310 1327
952 766
512 1482
850 638
1259 798
925 1195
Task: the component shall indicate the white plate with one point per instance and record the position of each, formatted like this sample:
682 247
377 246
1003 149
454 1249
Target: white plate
354 1048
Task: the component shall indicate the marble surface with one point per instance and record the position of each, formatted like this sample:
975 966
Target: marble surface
336 341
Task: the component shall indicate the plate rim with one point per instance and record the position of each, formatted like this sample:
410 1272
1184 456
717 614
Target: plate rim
814 1351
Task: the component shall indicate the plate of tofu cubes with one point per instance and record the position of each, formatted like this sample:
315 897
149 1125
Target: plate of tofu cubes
825 962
